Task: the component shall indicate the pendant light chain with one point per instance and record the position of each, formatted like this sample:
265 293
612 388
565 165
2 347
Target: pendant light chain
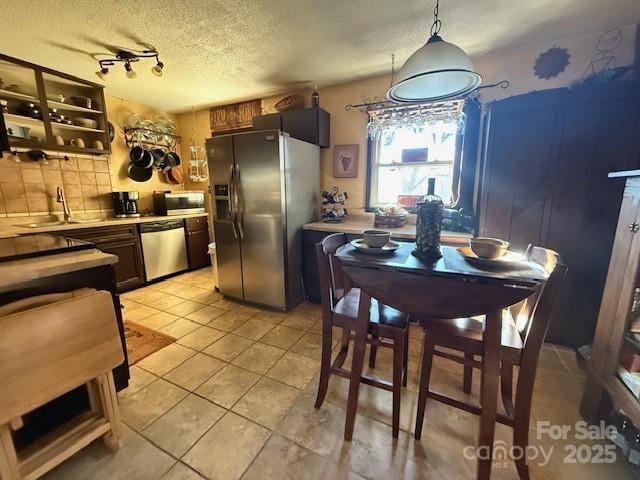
437 24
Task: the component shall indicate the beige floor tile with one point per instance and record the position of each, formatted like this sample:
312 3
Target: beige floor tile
281 459
205 314
294 369
226 304
157 320
228 448
181 472
136 459
138 312
248 310
310 345
229 321
166 359
181 427
208 298
373 452
267 402
259 357
189 292
201 338
307 308
184 308
227 386
373 402
168 301
138 379
195 371
151 298
179 328
272 317
318 430
228 347
253 329
299 321
149 403
283 337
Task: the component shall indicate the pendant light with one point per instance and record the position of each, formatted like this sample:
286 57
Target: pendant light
437 71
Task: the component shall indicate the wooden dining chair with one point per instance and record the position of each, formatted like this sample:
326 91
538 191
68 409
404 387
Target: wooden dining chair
388 328
524 328
50 345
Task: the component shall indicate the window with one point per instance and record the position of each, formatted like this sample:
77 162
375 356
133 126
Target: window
404 154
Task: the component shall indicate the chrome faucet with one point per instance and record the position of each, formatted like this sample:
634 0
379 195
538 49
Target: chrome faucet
65 208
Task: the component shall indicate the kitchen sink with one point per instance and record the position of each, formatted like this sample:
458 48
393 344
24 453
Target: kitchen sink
88 220
62 222
43 224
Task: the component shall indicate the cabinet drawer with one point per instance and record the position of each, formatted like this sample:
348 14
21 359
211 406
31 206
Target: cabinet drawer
102 234
196 224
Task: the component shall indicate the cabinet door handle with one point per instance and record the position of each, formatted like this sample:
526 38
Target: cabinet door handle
634 227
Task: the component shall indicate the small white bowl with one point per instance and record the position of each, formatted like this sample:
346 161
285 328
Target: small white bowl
376 238
489 248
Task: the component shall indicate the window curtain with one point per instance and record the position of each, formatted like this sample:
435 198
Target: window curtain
466 160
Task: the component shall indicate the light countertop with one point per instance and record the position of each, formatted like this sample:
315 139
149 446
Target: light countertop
16 272
357 223
15 226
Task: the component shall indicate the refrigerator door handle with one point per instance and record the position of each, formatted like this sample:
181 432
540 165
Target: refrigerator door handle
239 208
232 208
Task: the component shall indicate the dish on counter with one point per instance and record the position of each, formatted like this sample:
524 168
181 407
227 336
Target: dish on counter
389 247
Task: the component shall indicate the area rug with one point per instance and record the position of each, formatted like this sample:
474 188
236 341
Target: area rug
142 341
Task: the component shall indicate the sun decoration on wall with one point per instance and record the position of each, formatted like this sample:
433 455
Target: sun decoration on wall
551 63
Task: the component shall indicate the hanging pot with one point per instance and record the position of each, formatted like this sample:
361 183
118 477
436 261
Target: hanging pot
174 176
139 174
173 159
140 157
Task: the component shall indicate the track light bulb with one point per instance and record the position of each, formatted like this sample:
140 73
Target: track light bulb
102 73
157 69
130 72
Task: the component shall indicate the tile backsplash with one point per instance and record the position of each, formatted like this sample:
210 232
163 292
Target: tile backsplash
29 187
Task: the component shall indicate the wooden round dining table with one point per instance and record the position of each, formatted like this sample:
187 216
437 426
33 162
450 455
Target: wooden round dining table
449 287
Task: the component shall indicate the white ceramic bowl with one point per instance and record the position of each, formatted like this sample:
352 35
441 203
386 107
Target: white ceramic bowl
376 238
490 248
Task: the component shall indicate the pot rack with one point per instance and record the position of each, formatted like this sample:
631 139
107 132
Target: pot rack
132 137
388 104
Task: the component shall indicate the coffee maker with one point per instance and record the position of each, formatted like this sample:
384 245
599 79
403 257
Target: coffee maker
125 204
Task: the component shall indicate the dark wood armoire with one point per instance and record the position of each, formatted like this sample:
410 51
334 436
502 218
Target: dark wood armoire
544 181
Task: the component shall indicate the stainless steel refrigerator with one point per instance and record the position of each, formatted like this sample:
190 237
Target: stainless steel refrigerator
264 186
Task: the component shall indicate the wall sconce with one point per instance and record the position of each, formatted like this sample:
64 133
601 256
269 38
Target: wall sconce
128 58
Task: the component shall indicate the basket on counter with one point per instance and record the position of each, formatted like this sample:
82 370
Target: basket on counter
389 221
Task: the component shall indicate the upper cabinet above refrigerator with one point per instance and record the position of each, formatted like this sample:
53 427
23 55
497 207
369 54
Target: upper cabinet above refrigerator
47 110
308 124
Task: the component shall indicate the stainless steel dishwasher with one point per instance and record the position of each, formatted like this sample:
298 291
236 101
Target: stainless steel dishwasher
163 247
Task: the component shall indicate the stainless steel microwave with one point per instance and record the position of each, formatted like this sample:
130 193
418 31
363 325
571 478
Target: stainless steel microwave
177 203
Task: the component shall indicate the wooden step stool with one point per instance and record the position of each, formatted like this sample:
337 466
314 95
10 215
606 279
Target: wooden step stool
50 345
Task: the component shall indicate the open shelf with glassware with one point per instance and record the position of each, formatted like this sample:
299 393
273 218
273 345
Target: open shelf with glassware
52 111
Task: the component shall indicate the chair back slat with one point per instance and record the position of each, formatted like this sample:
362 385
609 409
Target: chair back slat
539 306
54 348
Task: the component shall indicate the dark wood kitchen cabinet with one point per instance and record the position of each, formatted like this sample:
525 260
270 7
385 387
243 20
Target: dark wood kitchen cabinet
546 159
309 124
120 240
197 231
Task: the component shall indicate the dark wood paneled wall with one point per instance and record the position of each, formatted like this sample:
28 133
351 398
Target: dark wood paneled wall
545 182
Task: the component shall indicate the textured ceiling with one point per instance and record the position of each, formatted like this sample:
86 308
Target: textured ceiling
225 50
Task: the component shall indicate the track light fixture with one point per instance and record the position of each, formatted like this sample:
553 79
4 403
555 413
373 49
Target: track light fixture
128 57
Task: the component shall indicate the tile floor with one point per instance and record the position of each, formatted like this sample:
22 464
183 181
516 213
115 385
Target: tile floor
233 399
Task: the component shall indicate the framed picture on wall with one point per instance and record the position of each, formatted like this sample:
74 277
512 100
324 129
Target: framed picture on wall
345 161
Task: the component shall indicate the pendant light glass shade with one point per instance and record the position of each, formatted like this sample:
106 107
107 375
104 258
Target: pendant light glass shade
437 71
